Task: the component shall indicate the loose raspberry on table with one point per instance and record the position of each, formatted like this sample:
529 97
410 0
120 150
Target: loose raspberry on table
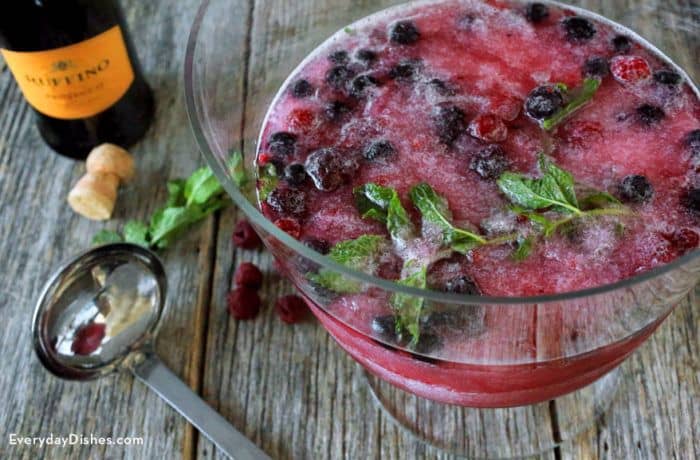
291 308
248 275
243 303
244 236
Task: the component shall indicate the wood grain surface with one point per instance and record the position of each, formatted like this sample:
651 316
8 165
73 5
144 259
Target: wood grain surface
289 388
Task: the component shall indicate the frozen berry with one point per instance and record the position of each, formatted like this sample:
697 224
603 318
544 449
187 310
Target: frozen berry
440 87
339 76
329 168
543 102
88 338
636 189
465 21
360 83
692 141
335 110
339 57
404 33
379 150
536 12
243 303
295 174
302 88
683 240
248 275
691 200
488 128
449 123
291 308
244 236
318 245
578 29
648 114
405 70
596 67
282 143
667 77
629 69
428 343
489 163
462 284
301 120
384 327
289 226
366 55
621 44
288 201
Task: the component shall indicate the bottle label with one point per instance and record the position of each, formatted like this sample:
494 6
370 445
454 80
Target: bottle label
75 81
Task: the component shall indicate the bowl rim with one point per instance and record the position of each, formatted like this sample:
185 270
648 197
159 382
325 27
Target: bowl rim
258 219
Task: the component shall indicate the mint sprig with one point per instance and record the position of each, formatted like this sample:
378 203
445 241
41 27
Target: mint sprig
189 201
384 205
359 254
581 97
408 308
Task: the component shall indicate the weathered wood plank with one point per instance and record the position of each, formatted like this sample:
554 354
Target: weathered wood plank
40 231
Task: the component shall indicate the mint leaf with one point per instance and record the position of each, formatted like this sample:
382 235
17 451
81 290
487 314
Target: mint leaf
358 254
267 180
201 186
136 232
599 200
435 211
383 204
408 308
583 96
106 237
176 193
554 188
236 168
524 248
166 223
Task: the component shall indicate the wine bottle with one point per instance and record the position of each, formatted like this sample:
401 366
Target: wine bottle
77 68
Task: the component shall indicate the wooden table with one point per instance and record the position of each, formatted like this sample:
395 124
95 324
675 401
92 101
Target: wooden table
289 388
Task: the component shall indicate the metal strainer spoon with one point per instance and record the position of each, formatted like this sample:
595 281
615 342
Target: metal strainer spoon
99 313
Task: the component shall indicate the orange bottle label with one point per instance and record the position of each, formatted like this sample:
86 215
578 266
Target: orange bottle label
75 81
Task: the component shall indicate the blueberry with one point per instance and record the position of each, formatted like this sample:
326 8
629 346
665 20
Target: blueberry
536 12
578 29
385 327
302 88
621 44
462 284
691 200
404 33
339 76
440 87
648 114
449 123
428 343
282 143
490 162
295 174
360 83
596 67
339 57
366 55
329 168
288 201
543 102
405 70
667 77
692 141
636 189
379 150
318 245
335 110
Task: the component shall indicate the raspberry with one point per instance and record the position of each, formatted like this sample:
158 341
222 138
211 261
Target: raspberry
248 275
505 107
301 120
264 158
244 236
88 338
291 308
243 303
629 69
488 128
289 226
